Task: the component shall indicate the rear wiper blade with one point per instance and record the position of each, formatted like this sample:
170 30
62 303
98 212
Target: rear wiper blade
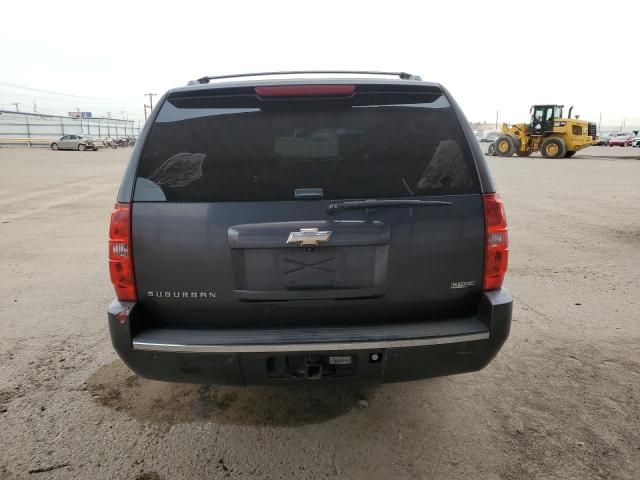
373 204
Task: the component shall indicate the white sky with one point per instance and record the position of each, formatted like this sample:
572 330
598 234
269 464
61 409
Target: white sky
504 55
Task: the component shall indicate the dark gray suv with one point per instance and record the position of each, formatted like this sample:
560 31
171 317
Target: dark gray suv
341 229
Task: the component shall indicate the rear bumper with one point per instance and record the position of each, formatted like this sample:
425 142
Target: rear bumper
404 351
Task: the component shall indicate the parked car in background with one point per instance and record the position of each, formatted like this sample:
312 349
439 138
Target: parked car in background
490 138
95 141
636 142
622 140
603 140
76 142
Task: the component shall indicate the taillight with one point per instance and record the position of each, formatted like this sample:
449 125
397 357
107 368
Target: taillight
120 260
496 255
304 90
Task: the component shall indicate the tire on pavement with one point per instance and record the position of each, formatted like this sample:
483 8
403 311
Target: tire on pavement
505 146
553 147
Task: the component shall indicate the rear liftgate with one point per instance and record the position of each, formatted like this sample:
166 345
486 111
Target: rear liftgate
360 248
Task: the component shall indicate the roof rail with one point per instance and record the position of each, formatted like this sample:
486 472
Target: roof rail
402 75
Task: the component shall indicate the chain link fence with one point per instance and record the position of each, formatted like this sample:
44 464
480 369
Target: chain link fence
37 130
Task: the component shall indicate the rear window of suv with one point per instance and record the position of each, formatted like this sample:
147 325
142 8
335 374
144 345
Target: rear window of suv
368 147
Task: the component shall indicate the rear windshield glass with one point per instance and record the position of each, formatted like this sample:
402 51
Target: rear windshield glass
349 150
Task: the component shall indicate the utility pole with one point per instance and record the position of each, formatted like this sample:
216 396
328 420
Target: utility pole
150 106
26 121
151 95
496 120
35 107
16 104
600 123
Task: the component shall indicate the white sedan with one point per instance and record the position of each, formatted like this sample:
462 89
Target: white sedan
76 142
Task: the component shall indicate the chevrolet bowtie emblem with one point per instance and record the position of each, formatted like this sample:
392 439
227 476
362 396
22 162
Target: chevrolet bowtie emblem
308 237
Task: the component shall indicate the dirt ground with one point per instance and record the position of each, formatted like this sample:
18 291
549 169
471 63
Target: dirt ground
562 400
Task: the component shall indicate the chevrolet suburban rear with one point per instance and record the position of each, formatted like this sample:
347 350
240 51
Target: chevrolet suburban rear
275 230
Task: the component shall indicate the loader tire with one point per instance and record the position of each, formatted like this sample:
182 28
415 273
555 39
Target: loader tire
505 146
553 147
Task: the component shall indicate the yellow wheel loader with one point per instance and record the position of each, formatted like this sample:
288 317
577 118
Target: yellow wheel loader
548 132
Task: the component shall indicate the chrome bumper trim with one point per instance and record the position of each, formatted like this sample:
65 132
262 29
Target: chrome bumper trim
306 347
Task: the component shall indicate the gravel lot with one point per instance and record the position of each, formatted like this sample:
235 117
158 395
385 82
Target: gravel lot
562 400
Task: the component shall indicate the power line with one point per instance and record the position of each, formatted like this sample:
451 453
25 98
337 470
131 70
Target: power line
51 99
24 87
62 105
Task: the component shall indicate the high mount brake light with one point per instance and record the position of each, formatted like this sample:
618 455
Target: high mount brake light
120 260
305 90
496 256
